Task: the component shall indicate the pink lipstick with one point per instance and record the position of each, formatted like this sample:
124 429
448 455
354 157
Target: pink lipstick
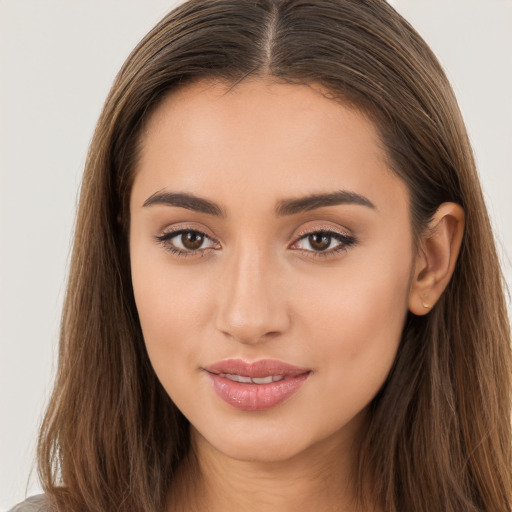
255 386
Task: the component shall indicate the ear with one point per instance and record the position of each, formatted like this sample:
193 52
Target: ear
438 250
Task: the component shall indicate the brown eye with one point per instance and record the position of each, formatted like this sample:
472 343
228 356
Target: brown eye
319 241
324 242
187 242
192 240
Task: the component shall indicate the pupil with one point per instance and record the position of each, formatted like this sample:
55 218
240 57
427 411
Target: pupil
319 242
192 240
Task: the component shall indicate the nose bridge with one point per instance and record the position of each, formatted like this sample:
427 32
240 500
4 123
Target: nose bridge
251 306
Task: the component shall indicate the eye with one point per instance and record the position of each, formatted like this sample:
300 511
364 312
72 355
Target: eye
186 241
324 242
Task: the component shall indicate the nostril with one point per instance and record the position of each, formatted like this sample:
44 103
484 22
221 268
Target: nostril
250 336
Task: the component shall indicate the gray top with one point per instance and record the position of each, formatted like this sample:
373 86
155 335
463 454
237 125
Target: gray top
37 503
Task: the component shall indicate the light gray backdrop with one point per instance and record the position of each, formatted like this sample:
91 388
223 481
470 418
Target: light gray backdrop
57 61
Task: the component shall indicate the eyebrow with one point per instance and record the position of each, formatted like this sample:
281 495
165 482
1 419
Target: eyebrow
314 201
283 208
187 201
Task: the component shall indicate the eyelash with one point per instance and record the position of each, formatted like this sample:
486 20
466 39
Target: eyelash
165 239
346 241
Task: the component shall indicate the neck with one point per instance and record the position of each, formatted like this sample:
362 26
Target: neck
320 478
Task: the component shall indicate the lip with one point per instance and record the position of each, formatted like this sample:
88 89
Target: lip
252 396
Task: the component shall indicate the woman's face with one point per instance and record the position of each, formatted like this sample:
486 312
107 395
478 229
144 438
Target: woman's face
271 256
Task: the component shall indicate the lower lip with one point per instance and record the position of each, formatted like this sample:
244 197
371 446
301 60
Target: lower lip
256 397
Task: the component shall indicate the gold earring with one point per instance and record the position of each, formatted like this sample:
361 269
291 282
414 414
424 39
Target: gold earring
426 306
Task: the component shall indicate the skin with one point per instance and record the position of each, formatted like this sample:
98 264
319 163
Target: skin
256 288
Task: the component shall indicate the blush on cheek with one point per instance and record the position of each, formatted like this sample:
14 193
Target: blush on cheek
367 325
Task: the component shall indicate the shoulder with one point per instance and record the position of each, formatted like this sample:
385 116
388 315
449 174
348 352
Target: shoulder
39 503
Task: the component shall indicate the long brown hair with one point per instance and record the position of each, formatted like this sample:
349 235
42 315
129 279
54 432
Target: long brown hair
439 434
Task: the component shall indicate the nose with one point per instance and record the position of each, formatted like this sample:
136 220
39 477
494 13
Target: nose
252 305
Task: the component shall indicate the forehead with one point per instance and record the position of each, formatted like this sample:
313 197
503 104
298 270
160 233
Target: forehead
294 111
263 139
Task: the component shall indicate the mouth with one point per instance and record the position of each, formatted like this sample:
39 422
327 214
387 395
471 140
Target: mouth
251 380
255 386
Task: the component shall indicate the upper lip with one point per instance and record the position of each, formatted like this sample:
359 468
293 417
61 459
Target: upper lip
261 368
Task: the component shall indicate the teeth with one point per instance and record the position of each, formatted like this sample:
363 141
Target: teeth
236 378
252 380
262 380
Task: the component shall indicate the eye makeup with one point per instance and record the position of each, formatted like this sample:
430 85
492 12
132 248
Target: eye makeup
323 242
187 241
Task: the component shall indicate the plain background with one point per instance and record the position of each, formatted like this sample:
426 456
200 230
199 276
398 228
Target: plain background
57 61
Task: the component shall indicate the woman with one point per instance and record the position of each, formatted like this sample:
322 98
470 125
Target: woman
284 292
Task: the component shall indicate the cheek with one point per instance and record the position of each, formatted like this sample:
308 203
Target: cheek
167 302
172 307
353 325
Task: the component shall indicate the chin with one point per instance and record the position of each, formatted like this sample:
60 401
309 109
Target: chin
271 443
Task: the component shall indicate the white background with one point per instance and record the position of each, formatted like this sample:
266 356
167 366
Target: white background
57 61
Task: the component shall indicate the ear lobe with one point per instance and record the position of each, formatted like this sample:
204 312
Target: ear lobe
437 255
